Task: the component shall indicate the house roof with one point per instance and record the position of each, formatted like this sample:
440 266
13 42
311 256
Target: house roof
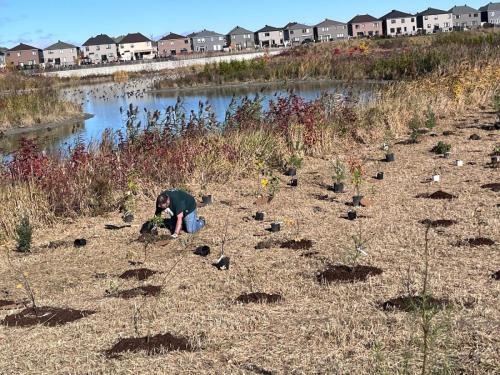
99 40
134 38
239 31
462 9
395 14
432 12
22 47
295 25
328 22
363 18
204 33
268 28
60 45
489 7
173 36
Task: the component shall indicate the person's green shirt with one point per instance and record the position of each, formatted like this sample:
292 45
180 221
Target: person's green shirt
180 202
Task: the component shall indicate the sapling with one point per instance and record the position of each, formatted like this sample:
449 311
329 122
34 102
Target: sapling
24 281
430 118
358 249
24 234
414 126
357 172
339 175
441 148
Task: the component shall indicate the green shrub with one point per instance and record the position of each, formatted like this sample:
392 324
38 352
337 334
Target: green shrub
441 148
24 232
414 126
430 120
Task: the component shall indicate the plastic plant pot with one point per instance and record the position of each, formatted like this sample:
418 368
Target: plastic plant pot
275 227
259 216
338 187
436 178
207 199
356 200
294 182
380 176
352 215
291 172
389 158
459 163
128 217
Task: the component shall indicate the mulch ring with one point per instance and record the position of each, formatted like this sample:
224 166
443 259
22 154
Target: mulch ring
259 298
438 195
145 291
414 303
152 345
493 187
9 305
48 316
267 244
304 244
476 242
496 276
347 274
139 274
439 223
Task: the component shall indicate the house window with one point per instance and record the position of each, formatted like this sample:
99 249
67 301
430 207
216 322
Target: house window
98 48
475 14
87 49
340 35
392 30
403 20
412 20
221 38
109 46
357 26
291 31
429 26
266 34
426 18
392 21
61 51
186 41
131 46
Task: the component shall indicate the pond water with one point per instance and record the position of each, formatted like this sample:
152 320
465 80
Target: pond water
103 102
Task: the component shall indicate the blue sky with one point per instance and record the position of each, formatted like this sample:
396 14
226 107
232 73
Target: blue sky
43 22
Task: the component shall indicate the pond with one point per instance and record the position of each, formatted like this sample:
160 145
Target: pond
103 102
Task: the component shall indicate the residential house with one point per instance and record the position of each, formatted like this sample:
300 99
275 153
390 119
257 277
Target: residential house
136 47
364 26
100 49
173 44
329 30
269 36
490 14
396 23
434 20
23 55
298 33
240 38
207 41
61 54
465 17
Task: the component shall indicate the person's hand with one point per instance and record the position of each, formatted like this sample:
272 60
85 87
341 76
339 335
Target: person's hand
174 236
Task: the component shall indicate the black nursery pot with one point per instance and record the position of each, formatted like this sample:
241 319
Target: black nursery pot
389 158
259 216
294 182
380 175
128 217
81 242
206 199
352 215
291 172
356 200
338 187
275 227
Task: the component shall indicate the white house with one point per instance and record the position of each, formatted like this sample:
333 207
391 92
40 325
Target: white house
434 20
100 49
136 47
61 54
396 23
270 36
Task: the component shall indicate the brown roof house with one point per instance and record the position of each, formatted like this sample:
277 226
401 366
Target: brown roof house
396 23
61 54
173 44
364 26
136 47
100 49
23 55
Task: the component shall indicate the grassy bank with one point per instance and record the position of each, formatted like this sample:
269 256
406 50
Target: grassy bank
383 59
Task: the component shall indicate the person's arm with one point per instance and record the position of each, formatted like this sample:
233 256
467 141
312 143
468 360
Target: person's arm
178 225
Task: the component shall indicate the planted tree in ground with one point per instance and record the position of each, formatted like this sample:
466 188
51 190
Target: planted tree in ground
24 282
441 148
414 125
430 118
339 174
24 233
496 105
358 247
356 168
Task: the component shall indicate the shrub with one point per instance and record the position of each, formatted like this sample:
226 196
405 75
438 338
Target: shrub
24 232
339 171
430 120
414 126
441 148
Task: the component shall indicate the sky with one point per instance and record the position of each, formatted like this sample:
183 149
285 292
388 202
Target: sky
43 22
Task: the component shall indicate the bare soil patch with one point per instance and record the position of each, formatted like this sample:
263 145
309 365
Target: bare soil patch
494 187
144 291
346 274
153 345
441 195
267 244
476 242
259 298
413 303
304 244
48 316
439 223
139 274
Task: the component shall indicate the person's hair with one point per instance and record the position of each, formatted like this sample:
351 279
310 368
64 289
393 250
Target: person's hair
161 200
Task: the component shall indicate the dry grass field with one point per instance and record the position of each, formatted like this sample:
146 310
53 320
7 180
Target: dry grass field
336 328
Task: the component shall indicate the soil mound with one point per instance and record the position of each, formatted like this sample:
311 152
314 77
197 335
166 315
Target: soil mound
441 195
494 187
48 316
413 303
439 223
297 245
152 345
145 291
476 242
259 298
347 274
139 274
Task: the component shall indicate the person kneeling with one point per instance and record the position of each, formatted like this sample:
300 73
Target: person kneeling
181 207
